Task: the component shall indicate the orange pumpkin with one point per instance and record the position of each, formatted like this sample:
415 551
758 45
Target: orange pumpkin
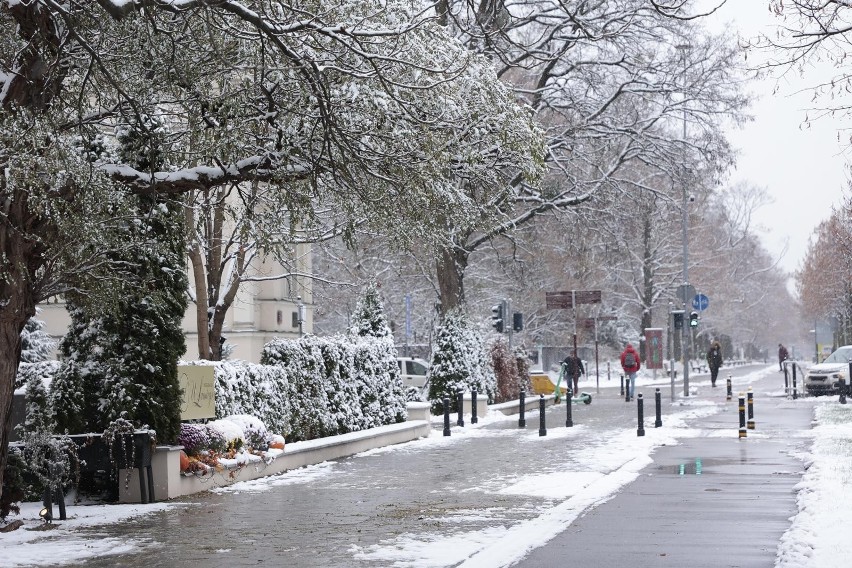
276 445
184 461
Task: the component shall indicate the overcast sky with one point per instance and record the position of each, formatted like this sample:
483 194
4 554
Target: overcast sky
802 168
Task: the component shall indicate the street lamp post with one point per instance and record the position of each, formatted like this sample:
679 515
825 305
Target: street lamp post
683 48
301 314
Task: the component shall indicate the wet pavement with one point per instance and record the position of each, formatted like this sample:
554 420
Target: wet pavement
368 510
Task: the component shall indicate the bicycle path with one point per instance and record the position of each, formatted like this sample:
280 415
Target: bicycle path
729 510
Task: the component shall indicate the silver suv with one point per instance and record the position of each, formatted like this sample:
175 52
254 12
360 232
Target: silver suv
824 378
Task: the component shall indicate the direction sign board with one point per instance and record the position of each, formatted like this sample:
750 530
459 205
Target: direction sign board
700 302
566 300
685 292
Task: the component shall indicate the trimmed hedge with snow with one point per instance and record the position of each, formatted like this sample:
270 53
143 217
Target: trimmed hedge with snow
315 386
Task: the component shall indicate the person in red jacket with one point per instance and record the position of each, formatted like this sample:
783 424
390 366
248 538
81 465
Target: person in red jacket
630 364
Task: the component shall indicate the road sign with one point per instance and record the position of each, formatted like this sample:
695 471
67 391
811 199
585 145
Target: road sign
566 300
700 302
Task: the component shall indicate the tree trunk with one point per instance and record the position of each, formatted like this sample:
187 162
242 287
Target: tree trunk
13 318
451 265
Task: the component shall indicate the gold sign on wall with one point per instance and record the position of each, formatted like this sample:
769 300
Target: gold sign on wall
198 392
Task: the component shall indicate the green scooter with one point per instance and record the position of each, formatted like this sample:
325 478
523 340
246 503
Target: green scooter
584 397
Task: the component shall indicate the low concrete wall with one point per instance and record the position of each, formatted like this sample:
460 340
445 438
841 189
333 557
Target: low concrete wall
169 482
531 402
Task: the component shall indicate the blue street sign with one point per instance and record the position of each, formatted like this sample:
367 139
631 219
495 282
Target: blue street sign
700 302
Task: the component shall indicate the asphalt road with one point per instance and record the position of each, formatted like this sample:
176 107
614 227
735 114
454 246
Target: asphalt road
335 514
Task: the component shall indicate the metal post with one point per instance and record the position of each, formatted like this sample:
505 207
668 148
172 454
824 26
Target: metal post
669 326
446 416
750 424
622 386
683 48
641 410
542 431
626 388
569 420
743 432
597 363
522 422
842 391
460 405
658 402
786 380
730 394
607 370
795 391
473 418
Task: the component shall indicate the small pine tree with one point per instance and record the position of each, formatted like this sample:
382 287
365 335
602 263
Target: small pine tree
459 363
369 317
375 371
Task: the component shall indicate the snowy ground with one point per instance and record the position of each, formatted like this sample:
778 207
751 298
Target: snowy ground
816 538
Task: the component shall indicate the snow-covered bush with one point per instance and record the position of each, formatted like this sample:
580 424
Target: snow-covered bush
254 430
216 439
231 431
45 370
339 384
460 362
256 390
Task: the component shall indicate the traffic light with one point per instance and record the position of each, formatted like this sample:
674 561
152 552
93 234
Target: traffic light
497 317
678 319
517 321
693 319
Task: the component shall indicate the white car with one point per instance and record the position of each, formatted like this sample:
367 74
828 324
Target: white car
824 378
413 371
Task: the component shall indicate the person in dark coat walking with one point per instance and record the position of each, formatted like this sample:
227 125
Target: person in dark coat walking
573 370
782 356
714 361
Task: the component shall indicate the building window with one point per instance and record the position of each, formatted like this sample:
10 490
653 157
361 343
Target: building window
295 319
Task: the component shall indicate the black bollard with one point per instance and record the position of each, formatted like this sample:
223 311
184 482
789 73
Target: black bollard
730 392
658 403
743 432
522 422
640 406
446 416
569 421
542 431
795 391
842 389
622 385
473 418
750 424
626 392
460 406
786 382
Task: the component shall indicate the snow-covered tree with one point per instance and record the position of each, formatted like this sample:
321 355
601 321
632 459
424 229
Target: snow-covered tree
610 97
369 317
36 344
343 115
123 362
460 362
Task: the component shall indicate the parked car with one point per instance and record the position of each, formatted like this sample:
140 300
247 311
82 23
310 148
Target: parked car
413 371
824 378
